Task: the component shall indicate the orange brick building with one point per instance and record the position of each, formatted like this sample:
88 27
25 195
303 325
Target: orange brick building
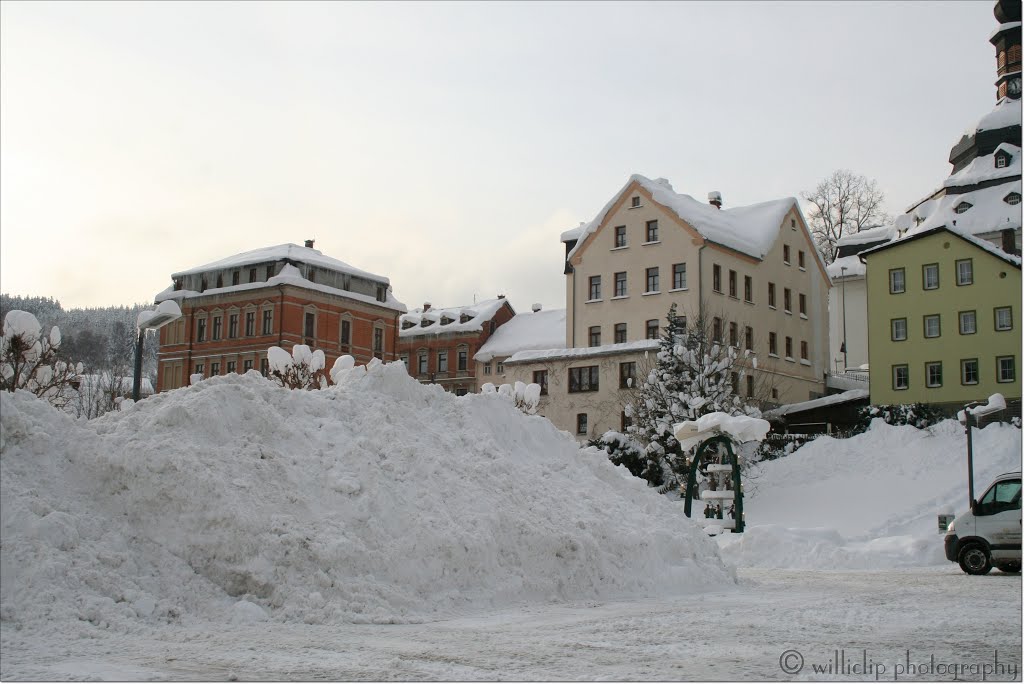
438 345
234 309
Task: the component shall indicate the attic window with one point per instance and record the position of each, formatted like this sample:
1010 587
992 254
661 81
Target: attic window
445 320
177 281
962 207
1012 198
407 324
1002 160
425 323
635 202
220 281
464 318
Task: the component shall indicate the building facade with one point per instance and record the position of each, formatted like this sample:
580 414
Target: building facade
437 345
234 309
944 320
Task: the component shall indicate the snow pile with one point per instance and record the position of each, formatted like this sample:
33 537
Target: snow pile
870 501
377 500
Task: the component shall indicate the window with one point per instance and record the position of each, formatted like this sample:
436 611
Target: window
773 344
215 368
581 423
930 276
233 326
246 365
1004 318
234 281
231 367
620 333
964 271
652 231
442 362
421 368
785 254
270 274
487 368
268 321
750 385
787 300
734 382
200 330
748 338
789 348
652 329
652 279
901 377
264 367
962 207
803 350
620 236
595 287
716 329
378 342
933 374
463 359
345 335
732 283
931 326
499 367
220 280
968 322
1000 161
897 280
199 369
620 284
716 278
218 324
968 371
309 328
678 276
771 295
461 391
624 422
250 323
1012 198
252 279
635 202
584 379
899 329
734 335
541 378
803 305
1005 369
748 289
775 394
595 336
800 258
627 375
491 326
1003 496
404 358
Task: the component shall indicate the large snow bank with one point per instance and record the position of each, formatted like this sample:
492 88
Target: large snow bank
870 501
377 500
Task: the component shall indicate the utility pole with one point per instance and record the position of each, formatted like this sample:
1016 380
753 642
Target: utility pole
842 271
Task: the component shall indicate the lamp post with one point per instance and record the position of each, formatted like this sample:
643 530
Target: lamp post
164 313
842 275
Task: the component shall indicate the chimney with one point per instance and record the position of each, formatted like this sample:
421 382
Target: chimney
426 307
715 199
309 243
536 308
1009 240
501 296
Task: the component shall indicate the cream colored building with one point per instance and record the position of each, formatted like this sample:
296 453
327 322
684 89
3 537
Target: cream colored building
754 268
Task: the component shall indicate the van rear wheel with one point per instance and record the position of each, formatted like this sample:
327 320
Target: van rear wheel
974 560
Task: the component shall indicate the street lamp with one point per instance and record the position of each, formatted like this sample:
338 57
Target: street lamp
164 313
842 275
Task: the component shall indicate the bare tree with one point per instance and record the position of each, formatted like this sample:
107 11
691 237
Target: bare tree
29 360
843 204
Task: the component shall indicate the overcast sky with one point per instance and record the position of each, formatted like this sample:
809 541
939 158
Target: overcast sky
445 146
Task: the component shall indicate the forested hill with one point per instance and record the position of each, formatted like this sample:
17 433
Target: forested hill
102 338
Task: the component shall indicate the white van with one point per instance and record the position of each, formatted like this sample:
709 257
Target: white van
990 534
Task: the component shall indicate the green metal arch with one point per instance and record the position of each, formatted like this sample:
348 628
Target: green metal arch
703 450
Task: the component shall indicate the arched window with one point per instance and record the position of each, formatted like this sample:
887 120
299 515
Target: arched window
962 207
1012 198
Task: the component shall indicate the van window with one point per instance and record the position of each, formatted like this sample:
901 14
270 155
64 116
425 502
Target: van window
1003 496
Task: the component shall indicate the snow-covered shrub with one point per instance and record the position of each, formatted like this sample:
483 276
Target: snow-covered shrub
302 369
624 451
525 397
917 415
29 360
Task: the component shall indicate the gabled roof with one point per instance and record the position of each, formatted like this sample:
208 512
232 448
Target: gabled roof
477 314
289 252
751 230
984 245
531 330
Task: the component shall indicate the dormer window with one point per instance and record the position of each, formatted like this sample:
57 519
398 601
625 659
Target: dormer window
1002 159
445 320
464 318
177 281
407 324
220 281
962 207
382 293
425 323
1012 198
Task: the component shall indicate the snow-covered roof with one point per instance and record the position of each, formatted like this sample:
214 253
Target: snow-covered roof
476 315
988 212
574 233
291 252
582 352
984 168
751 230
532 330
967 237
289 275
1006 113
830 400
870 235
1003 27
852 264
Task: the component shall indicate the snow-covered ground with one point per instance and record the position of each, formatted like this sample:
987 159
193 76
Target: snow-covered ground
382 529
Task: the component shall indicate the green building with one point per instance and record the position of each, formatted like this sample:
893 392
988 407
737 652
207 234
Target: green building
943 319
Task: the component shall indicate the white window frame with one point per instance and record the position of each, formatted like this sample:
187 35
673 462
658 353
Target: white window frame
965 316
